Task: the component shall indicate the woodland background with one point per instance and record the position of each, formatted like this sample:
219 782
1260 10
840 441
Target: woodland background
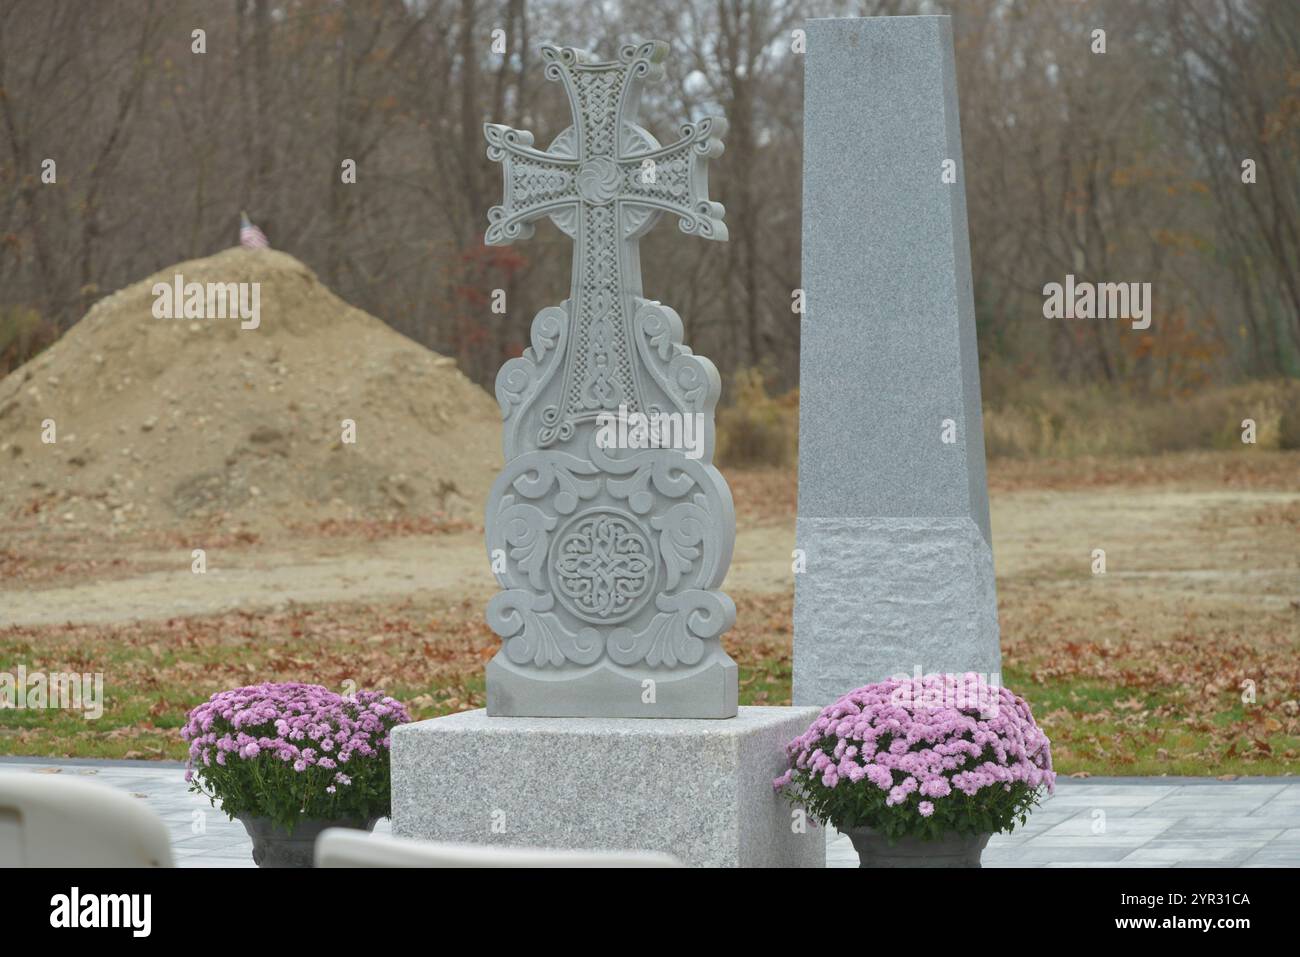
1117 167
353 564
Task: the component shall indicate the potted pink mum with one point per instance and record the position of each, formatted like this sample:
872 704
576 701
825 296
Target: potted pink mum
921 772
289 760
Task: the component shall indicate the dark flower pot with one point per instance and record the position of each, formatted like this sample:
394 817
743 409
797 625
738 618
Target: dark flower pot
955 850
273 846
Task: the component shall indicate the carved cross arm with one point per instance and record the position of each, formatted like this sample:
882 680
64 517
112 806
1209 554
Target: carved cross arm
536 183
675 178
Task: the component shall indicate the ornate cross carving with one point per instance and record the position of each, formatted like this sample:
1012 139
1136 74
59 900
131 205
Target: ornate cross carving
604 182
609 558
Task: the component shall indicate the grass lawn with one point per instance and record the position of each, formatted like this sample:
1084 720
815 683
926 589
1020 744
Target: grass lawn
1184 658
1109 708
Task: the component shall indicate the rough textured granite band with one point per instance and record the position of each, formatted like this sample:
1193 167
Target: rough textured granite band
882 596
700 790
893 521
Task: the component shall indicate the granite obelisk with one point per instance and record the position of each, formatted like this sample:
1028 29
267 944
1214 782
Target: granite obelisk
893 502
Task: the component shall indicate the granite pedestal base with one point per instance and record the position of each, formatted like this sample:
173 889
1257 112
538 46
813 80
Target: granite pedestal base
700 790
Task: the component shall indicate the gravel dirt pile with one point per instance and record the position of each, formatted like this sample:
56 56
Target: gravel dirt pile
166 422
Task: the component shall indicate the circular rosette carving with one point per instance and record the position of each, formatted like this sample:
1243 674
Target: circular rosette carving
603 566
610 556
598 180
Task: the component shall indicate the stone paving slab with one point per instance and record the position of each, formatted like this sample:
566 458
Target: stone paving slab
1093 822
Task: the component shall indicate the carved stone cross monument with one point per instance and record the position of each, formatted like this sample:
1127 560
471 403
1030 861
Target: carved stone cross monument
609 558
609 549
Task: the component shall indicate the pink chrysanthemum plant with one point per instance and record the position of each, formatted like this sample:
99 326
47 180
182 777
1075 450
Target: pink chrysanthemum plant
293 752
921 758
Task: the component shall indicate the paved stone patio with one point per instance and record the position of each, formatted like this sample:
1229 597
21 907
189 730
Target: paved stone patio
1094 822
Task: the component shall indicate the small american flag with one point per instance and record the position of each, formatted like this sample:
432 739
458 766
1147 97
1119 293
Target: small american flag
250 237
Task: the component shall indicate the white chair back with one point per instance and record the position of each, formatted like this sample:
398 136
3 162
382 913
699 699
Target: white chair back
52 821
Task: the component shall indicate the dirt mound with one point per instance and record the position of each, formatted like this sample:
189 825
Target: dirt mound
177 421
